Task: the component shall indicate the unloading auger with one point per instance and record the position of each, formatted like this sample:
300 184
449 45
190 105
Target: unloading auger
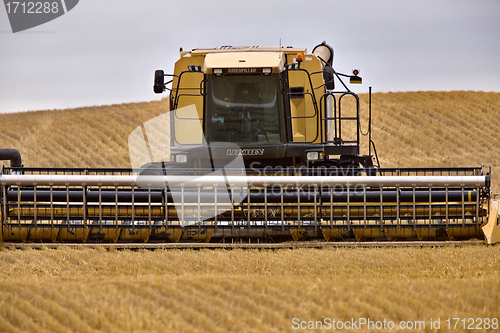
258 146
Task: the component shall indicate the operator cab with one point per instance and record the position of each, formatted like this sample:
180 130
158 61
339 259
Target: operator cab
244 109
275 106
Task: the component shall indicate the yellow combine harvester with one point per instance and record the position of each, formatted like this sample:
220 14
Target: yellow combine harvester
262 144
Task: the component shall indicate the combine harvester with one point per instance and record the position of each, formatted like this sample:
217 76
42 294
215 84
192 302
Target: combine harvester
259 146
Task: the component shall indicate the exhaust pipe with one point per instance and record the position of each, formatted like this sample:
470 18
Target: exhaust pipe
13 155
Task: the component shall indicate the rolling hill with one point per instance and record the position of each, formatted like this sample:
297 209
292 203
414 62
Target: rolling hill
410 129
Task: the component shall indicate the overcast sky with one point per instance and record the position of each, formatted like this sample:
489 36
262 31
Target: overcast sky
106 51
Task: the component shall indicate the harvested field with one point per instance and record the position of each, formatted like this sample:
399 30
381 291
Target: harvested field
96 290
89 290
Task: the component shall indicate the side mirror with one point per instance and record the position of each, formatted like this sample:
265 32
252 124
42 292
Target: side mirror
328 77
159 85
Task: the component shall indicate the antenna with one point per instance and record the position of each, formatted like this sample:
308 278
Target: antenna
280 49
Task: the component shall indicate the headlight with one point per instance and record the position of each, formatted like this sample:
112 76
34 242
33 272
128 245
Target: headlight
217 71
312 156
266 71
181 158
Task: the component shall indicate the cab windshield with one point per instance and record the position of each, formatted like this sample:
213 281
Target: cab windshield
244 109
